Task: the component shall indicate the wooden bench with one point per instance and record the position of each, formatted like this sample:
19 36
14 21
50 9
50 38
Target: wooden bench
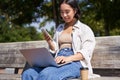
12 61
105 57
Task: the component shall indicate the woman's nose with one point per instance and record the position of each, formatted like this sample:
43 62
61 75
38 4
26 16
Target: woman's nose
64 14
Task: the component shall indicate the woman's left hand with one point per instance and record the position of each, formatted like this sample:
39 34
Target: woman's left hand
62 59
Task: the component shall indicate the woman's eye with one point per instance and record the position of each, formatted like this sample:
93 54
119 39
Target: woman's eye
66 12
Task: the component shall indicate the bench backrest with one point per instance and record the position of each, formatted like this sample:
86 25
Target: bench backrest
10 57
106 53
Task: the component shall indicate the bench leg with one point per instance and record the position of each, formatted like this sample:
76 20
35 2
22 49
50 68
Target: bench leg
16 70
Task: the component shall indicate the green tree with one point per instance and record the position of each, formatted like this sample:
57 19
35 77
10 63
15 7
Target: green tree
108 11
103 15
18 13
13 33
21 11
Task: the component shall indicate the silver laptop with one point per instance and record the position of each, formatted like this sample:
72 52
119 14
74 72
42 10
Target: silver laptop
40 57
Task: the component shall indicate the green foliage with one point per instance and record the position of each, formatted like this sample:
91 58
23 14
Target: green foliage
13 33
108 11
15 14
101 15
115 31
21 11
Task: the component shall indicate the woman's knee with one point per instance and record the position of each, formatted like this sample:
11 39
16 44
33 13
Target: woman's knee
47 72
44 73
29 72
47 76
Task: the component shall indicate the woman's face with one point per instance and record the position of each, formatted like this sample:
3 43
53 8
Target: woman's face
67 12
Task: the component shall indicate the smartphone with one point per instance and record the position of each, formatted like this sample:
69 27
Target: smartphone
46 33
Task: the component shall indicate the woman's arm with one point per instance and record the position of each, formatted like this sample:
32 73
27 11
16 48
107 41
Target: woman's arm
75 57
51 45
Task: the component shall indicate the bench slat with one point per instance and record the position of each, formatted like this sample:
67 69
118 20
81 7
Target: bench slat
10 77
107 53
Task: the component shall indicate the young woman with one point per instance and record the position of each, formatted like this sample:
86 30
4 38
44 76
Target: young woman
73 41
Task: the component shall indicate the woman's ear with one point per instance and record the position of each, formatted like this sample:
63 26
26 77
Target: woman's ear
75 10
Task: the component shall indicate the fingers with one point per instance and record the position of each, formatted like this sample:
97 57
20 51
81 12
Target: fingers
60 59
47 38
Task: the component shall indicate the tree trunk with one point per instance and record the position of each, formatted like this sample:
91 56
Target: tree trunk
107 30
55 13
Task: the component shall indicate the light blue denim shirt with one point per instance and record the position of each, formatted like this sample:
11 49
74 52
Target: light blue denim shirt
83 41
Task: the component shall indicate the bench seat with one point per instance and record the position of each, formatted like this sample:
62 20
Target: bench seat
10 77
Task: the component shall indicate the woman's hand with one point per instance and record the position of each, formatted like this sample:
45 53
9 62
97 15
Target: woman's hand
62 59
47 37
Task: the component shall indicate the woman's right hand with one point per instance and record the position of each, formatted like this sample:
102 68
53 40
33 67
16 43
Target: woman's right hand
47 38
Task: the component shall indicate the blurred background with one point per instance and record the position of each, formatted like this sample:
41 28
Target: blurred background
21 20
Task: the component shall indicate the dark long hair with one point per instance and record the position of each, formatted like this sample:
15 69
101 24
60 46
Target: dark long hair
74 5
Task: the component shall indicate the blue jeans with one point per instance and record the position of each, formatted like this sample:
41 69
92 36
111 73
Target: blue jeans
64 72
